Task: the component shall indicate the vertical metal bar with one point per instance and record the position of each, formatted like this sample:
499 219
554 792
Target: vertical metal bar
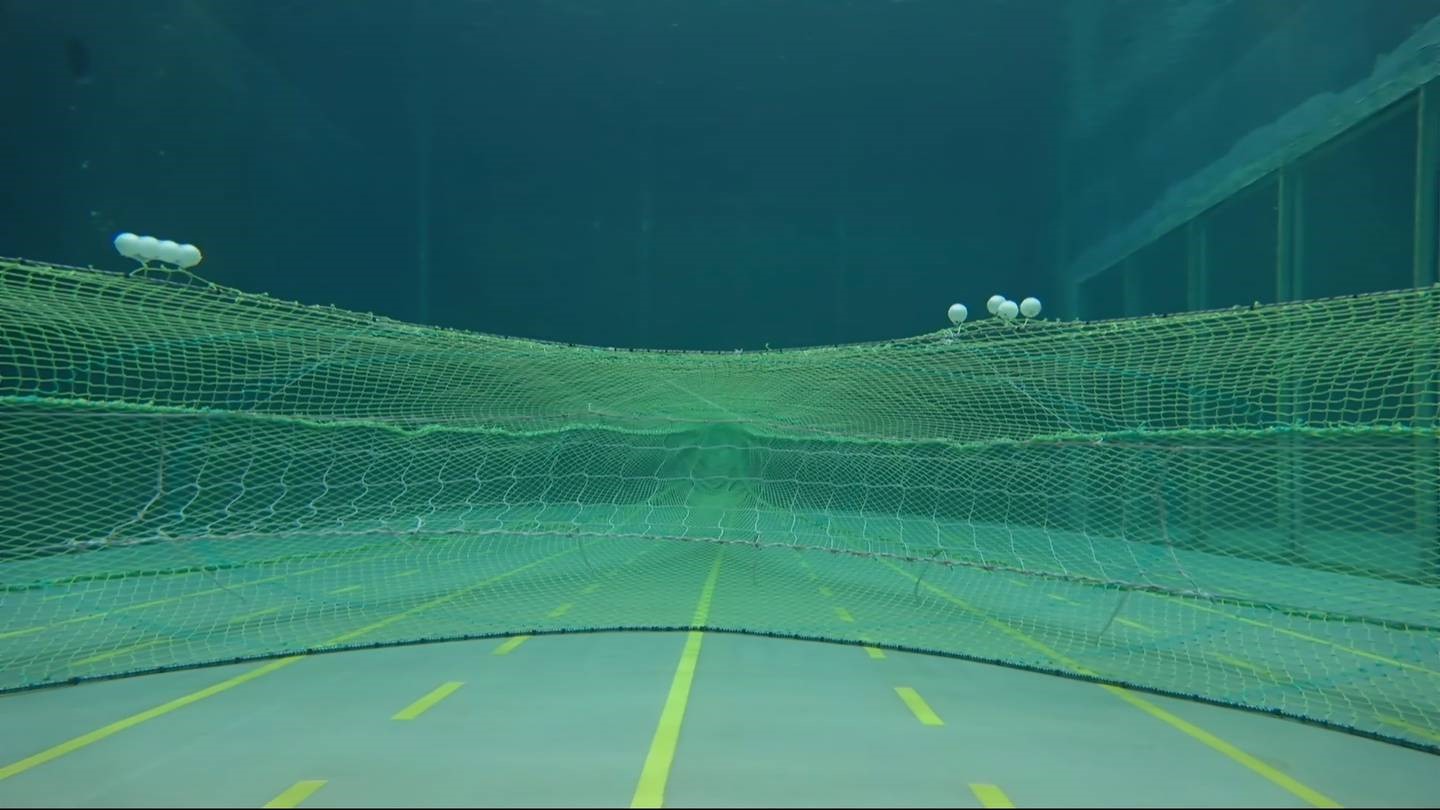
1289 286
1130 273
1426 273
1197 266
1134 305
1197 286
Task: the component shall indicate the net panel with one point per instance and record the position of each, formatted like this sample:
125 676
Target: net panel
1237 505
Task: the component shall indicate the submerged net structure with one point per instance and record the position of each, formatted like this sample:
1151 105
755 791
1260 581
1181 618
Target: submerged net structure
1237 506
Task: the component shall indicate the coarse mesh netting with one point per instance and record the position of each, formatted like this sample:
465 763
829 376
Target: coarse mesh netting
1235 505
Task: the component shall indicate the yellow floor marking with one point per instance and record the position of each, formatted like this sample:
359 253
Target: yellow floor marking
1137 625
136 719
346 589
510 645
991 796
917 704
560 611
875 653
650 792
206 592
257 614
1284 780
441 600
89 618
76 743
844 614
1279 778
296 793
1361 653
826 592
106 655
420 706
1243 664
1433 735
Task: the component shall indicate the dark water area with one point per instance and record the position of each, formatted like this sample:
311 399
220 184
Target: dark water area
716 174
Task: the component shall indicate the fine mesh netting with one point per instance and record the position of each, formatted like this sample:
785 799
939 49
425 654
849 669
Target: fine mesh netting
1236 505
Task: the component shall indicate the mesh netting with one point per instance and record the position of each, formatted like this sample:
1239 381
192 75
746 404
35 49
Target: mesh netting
1238 505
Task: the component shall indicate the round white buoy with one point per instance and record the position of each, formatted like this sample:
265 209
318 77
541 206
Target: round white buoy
994 303
188 256
958 313
1008 310
1030 307
128 245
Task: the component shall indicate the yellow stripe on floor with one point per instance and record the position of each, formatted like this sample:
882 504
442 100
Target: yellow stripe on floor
991 796
296 793
136 719
650 792
257 614
1283 780
1280 778
509 646
918 706
1433 735
1312 639
76 743
1138 626
113 653
422 705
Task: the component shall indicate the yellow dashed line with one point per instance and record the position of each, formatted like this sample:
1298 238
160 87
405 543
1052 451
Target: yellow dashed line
991 796
1283 780
918 706
1243 664
76 743
90 618
510 645
422 705
1433 735
1137 625
113 653
257 614
296 793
